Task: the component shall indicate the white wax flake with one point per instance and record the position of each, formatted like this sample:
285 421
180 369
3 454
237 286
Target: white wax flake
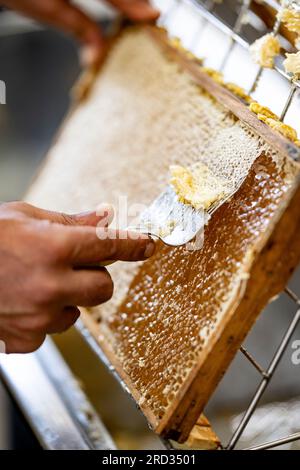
292 64
142 400
291 19
264 50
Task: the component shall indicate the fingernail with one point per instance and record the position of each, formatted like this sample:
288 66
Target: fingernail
156 13
147 7
106 212
151 13
142 12
150 249
88 56
104 208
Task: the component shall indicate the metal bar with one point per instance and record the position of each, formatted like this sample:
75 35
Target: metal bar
52 402
258 76
213 20
276 6
253 361
288 101
209 5
227 55
76 401
292 295
12 24
271 3
236 30
168 13
237 38
263 384
90 340
276 443
243 11
256 80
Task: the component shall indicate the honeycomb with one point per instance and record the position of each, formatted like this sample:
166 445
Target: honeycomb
143 115
292 64
176 300
283 129
262 110
265 49
197 186
291 19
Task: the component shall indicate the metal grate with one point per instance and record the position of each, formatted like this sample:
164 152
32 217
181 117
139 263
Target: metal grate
209 12
266 377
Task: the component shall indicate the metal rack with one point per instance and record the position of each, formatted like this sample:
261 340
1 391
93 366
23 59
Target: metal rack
236 34
266 378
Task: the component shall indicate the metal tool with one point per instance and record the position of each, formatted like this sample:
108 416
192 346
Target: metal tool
173 222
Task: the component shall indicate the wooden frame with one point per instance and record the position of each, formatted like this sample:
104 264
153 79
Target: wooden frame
271 264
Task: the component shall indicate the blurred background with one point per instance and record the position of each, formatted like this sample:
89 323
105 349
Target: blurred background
39 67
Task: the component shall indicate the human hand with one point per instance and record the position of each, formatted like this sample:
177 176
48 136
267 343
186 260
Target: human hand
43 269
70 19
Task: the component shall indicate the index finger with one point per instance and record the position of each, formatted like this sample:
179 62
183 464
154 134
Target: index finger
85 245
67 17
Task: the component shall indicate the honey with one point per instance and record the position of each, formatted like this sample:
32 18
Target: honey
177 298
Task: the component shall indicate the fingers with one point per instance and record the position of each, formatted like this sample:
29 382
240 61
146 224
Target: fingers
88 288
102 217
85 245
18 345
64 320
26 333
136 10
105 214
24 346
70 19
